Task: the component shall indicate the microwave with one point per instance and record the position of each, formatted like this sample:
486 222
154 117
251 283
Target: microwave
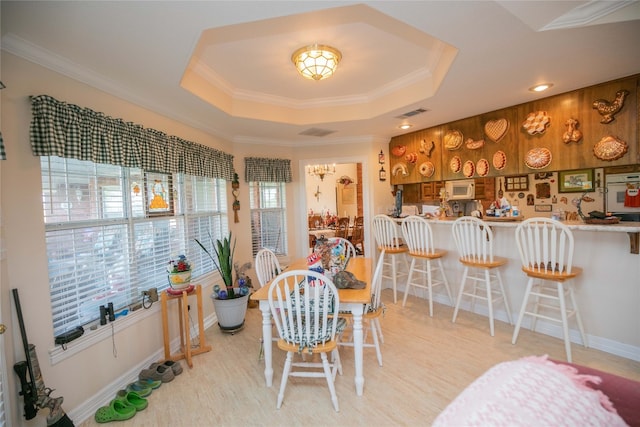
462 189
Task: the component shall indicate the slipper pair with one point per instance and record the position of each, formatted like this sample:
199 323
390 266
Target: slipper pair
157 373
131 398
176 367
144 387
117 410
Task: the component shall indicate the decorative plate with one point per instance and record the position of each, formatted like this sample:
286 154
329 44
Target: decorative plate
411 157
482 167
400 168
474 145
538 158
499 160
536 122
455 164
398 150
468 169
496 129
610 148
426 169
453 140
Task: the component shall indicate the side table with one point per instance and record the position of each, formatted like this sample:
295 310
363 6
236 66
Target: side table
186 352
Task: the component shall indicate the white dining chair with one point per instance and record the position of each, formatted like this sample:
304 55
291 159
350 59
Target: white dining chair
371 317
267 266
303 304
388 238
425 259
546 252
474 240
349 250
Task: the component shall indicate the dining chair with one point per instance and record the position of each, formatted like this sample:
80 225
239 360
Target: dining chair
357 235
419 239
314 221
371 316
546 251
302 303
388 237
474 240
342 229
267 266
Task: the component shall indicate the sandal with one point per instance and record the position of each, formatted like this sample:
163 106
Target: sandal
116 411
176 367
143 388
133 399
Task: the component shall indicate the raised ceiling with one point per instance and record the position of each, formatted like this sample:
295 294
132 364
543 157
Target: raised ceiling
225 67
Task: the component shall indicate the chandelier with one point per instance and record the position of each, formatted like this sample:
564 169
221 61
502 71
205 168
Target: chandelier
321 170
316 62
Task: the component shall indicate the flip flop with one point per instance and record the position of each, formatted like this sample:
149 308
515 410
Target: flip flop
133 399
116 411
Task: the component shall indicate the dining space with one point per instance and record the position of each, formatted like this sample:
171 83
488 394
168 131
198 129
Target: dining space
350 228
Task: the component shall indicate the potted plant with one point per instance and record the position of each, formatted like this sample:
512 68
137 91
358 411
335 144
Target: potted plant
230 302
179 270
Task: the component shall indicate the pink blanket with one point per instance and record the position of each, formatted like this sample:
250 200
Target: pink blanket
532 391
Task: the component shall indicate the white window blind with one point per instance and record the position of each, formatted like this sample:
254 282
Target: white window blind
268 217
104 246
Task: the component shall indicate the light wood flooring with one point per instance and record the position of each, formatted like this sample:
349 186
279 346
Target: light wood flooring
427 363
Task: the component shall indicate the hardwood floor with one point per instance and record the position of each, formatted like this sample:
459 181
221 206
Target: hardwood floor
427 363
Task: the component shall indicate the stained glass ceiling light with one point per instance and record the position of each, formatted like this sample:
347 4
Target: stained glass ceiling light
316 62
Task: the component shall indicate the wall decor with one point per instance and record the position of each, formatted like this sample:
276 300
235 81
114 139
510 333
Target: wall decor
608 109
514 183
572 134
453 140
159 193
381 157
575 181
499 160
536 122
543 208
496 129
427 169
472 144
427 147
235 185
543 190
610 148
382 174
399 150
538 158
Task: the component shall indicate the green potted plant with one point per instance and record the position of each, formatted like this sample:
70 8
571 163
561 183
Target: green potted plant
230 302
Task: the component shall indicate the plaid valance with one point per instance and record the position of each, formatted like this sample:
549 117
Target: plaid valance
66 130
3 155
267 170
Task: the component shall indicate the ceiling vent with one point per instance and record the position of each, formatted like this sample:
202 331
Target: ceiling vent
412 113
316 132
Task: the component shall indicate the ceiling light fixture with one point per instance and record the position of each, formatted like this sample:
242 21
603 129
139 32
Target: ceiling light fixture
321 170
405 126
316 62
540 87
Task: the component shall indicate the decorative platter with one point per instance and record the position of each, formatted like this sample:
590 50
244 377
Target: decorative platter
496 129
398 150
468 169
426 169
538 158
453 140
610 148
499 160
482 167
455 164
400 168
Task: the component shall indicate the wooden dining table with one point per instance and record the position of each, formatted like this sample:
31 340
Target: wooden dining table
351 300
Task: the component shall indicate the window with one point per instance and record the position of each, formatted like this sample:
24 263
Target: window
268 217
103 244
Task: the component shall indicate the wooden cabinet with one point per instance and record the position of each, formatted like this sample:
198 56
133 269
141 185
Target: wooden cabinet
485 191
423 192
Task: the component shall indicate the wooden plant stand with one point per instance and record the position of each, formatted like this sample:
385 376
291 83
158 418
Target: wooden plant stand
186 352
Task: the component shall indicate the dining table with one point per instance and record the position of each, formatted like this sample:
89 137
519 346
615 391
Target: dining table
351 300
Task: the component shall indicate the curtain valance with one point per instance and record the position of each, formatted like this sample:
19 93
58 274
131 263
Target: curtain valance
67 130
267 170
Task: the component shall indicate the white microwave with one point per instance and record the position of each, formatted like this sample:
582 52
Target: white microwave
463 189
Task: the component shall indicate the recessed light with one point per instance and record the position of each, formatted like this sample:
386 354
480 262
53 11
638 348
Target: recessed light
405 126
540 87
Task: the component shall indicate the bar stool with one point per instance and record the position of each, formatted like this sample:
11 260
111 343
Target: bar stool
387 235
546 251
419 239
474 241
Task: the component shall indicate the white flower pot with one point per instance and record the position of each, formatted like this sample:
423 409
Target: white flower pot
230 312
180 280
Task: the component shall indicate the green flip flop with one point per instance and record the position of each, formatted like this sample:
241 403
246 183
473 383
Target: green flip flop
133 399
143 388
116 411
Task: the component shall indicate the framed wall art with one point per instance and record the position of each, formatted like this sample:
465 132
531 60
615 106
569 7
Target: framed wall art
516 183
159 193
575 181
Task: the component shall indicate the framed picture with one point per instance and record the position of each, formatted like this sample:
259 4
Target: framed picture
543 208
575 181
516 183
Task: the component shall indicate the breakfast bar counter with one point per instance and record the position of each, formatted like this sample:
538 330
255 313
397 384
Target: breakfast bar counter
608 291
